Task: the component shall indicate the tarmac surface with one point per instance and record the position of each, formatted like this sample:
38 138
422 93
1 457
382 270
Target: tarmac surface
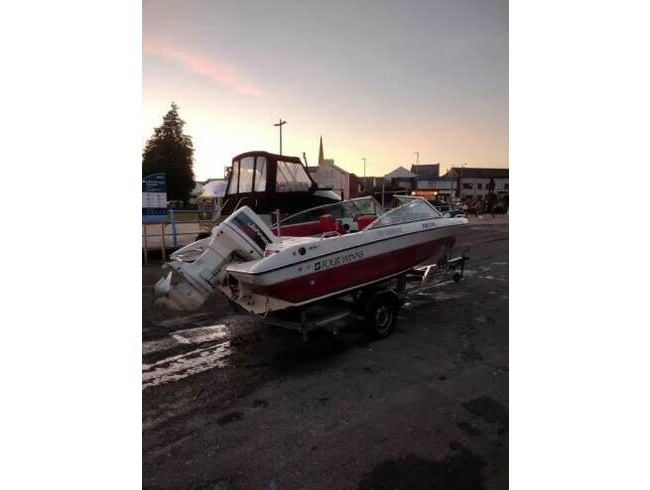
230 403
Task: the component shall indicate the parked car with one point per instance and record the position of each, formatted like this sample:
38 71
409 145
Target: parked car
446 208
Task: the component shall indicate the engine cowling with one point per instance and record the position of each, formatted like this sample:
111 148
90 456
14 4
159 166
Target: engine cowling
243 236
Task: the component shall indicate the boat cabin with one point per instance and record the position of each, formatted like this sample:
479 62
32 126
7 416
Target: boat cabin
266 182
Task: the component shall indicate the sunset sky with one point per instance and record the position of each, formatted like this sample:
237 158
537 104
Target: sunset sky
377 79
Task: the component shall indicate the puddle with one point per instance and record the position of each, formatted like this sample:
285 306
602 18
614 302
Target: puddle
184 365
201 334
188 336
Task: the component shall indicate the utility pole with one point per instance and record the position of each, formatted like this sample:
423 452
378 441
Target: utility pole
417 157
364 170
460 181
279 124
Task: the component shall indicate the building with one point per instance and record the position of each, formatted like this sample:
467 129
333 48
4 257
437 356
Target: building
371 183
426 171
328 175
194 193
474 182
400 177
436 188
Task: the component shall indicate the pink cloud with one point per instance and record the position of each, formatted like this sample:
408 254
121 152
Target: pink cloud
220 71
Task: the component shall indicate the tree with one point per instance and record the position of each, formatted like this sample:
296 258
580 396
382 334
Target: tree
170 151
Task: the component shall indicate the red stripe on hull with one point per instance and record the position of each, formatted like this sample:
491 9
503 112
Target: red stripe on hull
352 274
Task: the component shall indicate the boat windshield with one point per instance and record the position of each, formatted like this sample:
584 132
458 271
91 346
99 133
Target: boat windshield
415 209
292 177
339 210
247 175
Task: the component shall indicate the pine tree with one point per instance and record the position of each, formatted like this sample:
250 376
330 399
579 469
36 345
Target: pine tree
170 151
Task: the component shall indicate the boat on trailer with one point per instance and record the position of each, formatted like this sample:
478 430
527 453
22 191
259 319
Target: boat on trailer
269 273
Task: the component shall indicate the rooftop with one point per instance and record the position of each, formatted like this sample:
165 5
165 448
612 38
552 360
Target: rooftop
400 173
426 170
479 172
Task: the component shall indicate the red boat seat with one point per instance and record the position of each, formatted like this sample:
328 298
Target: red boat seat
364 220
327 223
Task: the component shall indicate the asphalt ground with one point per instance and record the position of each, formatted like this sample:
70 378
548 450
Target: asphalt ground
231 403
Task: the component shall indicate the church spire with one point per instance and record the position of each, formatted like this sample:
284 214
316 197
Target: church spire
321 157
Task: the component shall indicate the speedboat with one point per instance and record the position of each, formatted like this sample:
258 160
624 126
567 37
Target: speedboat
264 272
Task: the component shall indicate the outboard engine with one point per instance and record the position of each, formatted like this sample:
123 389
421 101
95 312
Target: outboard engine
242 237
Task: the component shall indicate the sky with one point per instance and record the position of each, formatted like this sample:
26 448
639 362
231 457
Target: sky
377 79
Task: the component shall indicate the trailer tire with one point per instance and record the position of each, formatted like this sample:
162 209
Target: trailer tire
381 315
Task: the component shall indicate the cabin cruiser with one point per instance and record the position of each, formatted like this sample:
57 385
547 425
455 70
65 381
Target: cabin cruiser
263 272
267 182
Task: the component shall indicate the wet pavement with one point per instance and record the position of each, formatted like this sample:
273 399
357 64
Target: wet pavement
230 403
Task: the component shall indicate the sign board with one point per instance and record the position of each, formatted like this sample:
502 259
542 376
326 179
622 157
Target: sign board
422 193
154 198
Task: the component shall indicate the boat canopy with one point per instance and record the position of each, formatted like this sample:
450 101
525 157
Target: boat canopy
258 172
413 209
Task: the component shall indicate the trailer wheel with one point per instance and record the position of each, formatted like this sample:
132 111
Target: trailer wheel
381 315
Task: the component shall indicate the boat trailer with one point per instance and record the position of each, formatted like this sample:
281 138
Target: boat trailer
376 305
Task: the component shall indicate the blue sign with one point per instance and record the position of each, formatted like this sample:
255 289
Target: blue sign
154 198
154 183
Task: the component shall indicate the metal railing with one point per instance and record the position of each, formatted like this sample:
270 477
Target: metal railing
173 219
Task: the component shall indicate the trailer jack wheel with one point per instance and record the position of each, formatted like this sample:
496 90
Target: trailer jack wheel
381 315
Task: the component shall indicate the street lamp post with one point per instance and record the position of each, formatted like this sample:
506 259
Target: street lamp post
460 182
279 124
